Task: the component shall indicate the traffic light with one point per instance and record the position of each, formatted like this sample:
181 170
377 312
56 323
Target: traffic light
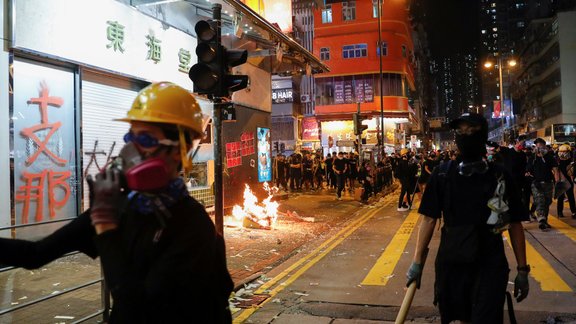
358 127
206 74
276 147
211 75
233 82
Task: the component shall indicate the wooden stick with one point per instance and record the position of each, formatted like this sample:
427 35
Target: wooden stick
410 292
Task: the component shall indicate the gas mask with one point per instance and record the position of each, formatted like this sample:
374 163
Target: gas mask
542 151
148 175
563 155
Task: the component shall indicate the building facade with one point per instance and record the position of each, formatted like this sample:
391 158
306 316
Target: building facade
346 39
544 84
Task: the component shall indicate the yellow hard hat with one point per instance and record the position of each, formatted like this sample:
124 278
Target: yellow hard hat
404 151
555 146
564 148
166 102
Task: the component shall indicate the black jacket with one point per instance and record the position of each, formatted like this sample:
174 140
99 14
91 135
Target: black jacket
181 278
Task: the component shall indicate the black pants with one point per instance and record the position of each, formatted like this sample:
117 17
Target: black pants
406 189
295 178
367 190
340 178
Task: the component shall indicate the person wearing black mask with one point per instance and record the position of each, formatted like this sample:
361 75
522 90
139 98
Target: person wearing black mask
471 265
542 166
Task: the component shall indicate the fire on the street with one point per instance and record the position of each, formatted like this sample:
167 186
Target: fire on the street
255 214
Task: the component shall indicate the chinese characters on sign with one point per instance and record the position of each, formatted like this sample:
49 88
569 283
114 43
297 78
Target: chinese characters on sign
115 34
154 49
236 150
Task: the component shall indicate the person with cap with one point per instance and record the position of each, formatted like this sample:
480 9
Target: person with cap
543 169
565 163
406 171
471 265
162 258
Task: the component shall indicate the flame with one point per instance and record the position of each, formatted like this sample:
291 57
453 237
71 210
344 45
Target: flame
264 214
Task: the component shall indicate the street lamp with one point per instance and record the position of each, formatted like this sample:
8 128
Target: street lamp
488 65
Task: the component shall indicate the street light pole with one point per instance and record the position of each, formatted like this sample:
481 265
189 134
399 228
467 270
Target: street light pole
501 86
383 132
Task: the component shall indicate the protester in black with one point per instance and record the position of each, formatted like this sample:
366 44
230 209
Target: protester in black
330 177
365 177
544 171
406 171
471 265
162 258
340 166
280 171
296 172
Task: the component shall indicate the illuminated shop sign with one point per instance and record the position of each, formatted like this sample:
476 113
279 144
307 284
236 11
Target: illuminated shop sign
282 96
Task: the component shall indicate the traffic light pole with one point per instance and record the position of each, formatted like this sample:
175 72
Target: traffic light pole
218 168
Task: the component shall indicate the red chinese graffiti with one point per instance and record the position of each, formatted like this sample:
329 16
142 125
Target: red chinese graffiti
43 101
33 188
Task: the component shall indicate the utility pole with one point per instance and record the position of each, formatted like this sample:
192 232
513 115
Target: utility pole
359 137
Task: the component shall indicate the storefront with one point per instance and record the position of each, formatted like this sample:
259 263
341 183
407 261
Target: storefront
70 74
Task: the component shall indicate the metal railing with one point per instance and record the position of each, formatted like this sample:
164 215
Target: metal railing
105 293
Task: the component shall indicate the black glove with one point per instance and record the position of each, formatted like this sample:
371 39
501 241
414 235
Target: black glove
106 196
414 274
521 286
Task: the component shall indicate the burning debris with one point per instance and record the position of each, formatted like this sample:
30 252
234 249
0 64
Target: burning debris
254 214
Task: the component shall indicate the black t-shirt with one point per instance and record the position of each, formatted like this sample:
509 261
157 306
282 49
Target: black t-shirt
352 166
340 164
541 167
467 203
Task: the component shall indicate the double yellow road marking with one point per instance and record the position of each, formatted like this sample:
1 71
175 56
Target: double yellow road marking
384 267
307 262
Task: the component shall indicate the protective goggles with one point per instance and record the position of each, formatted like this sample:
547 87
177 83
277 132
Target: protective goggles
147 141
468 169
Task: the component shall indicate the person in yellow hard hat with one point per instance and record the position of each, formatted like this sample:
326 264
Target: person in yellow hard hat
162 258
566 170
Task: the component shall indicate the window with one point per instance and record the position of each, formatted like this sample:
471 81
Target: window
324 54
348 10
327 14
403 50
382 49
374 8
354 51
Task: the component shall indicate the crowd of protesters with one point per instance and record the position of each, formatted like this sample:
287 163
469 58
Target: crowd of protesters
536 167
308 172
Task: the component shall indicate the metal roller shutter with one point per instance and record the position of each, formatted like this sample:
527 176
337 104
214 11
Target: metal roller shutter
104 98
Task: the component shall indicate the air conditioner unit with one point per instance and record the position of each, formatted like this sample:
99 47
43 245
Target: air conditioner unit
305 98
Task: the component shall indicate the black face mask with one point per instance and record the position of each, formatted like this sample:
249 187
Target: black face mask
472 147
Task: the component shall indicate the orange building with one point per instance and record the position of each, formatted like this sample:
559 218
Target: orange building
346 39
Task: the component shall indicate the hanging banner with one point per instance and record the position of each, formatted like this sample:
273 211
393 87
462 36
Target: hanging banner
496 112
348 93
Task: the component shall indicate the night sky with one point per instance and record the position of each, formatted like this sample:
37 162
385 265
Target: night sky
452 25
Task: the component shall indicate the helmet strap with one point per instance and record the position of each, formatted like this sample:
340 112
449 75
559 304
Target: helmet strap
186 161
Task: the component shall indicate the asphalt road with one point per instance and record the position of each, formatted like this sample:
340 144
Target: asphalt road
357 274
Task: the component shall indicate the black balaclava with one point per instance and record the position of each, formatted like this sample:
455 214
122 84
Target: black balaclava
473 147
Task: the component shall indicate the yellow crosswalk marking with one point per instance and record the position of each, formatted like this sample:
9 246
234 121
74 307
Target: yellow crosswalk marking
542 271
384 267
563 228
